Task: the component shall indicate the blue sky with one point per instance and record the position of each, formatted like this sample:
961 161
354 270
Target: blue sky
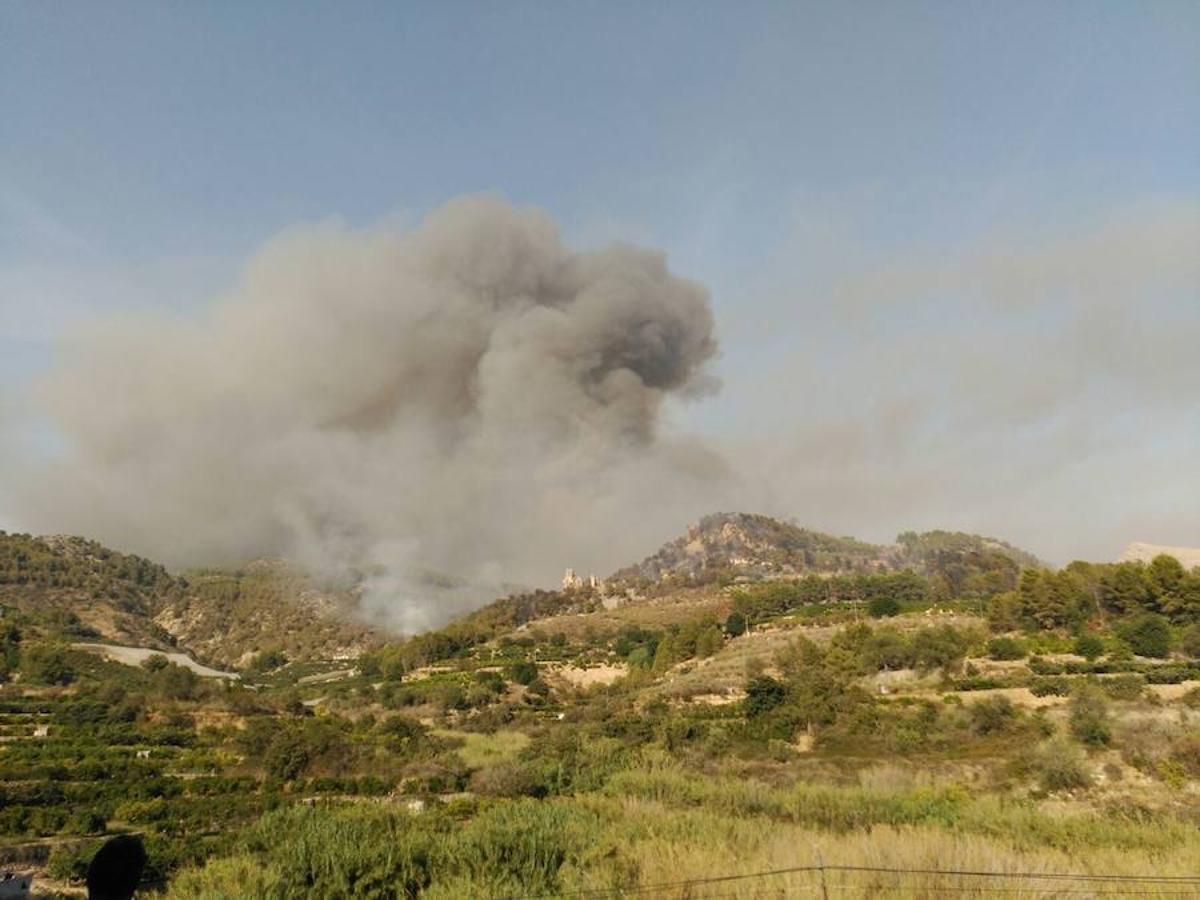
777 152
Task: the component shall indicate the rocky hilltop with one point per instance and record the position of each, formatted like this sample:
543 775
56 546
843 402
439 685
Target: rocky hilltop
757 546
1189 557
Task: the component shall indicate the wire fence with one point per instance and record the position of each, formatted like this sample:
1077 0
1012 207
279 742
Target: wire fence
824 881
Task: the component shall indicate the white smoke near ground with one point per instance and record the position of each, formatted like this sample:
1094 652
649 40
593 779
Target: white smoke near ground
468 397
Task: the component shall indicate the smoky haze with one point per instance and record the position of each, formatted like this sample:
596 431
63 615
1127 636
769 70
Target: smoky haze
468 396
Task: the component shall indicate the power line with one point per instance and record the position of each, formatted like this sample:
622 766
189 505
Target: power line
1168 879
1101 878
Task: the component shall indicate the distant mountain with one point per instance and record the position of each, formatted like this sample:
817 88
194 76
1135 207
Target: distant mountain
1139 552
745 544
755 544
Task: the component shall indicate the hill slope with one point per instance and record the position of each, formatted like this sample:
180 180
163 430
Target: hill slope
83 590
228 616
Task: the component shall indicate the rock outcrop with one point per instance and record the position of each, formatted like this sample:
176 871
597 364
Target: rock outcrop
1141 552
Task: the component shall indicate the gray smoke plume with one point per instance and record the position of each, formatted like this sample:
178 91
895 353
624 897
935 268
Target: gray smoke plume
469 397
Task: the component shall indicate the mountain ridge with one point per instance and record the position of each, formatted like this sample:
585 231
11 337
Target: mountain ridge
226 617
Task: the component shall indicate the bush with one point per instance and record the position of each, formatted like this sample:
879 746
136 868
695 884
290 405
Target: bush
1189 641
268 660
85 821
523 672
1186 754
1003 648
1170 674
1089 717
155 662
506 779
1148 635
1050 687
763 694
1060 767
883 606
1090 646
992 715
524 843
1124 687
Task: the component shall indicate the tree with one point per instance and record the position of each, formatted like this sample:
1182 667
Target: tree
1054 599
287 756
1004 612
1166 576
943 647
709 642
1125 589
1189 642
179 683
887 648
735 625
48 664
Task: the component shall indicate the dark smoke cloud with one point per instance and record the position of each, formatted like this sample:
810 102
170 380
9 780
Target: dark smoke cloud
469 396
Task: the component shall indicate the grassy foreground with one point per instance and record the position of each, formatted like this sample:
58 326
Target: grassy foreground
650 829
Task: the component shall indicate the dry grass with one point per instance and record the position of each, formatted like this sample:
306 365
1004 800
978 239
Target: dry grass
700 845
480 750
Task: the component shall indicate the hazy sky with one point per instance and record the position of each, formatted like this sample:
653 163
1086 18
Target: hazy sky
951 247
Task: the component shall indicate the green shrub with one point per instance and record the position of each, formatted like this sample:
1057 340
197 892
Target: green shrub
85 821
735 625
1124 687
522 672
1060 767
507 779
763 694
1050 687
1148 635
992 715
524 844
47 664
883 606
345 852
1089 716
1189 641
1090 646
1006 648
